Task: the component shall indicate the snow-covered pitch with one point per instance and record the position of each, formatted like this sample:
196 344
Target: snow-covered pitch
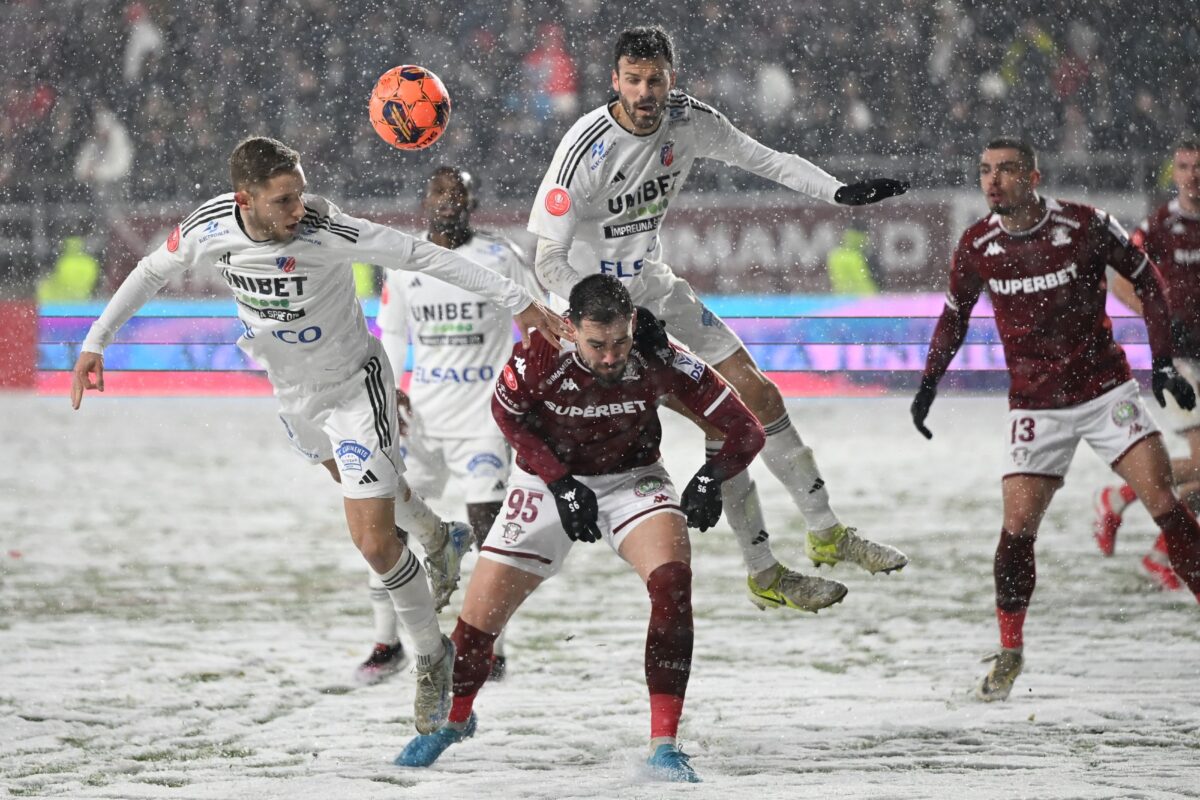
181 610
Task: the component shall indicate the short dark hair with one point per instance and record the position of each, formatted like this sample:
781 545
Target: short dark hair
600 298
257 159
1022 146
646 41
469 180
1187 142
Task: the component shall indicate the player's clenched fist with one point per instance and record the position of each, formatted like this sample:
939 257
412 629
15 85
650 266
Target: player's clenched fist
577 509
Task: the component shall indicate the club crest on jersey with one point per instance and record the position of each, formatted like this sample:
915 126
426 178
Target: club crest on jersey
558 202
1060 236
1020 456
285 263
667 154
512 532
647 486
352 454
173 240
1125 412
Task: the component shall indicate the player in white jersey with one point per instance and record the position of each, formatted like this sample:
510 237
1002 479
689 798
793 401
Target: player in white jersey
286 257
460 343
600 208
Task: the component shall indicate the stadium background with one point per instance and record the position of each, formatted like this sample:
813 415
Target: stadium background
119 117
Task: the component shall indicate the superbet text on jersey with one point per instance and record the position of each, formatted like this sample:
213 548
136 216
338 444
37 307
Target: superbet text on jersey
1171 237
609 190
597 428
295 299
1048 289
460 341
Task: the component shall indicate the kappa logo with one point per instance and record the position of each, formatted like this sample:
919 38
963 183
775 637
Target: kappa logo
660 498
520 362
994 249
569 386
1060 236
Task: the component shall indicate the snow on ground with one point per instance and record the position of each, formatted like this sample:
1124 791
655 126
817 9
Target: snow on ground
181 608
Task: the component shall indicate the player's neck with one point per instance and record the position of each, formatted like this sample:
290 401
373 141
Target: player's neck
452 238
1024 216
1189 205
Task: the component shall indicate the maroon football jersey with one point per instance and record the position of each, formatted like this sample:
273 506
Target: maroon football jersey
1048 289
1171 238
561 420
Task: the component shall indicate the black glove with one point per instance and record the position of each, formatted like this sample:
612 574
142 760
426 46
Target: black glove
1166 377
650 337
702 499
577 509
872 191
921 404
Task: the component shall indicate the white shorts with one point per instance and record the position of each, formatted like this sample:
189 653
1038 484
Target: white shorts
688 320
352 422
1043 441
1178 420
529 535
479 466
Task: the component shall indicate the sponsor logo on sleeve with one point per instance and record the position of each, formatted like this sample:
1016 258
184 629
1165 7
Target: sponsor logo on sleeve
688 365
173 240
352 454
509 377
558 202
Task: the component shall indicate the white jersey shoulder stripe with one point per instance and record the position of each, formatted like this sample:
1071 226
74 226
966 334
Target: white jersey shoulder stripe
207 215
206 207
580 149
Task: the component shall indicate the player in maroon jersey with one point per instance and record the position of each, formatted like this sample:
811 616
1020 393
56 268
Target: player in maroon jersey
1171 237
1042 262
586 433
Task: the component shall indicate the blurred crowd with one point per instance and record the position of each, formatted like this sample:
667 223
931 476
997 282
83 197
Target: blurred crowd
143 100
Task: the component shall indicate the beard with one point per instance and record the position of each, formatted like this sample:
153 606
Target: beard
642 123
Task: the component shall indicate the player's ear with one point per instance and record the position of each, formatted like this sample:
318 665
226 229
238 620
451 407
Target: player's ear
242 198
1035 179
673 74
616 82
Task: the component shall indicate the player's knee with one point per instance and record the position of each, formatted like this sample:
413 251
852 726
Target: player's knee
671 583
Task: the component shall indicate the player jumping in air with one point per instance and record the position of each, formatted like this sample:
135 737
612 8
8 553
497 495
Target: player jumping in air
585 428
1171 237
286 258
607 192
1042 262
460 343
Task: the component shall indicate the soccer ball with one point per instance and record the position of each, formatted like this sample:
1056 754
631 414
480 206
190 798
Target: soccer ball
409 107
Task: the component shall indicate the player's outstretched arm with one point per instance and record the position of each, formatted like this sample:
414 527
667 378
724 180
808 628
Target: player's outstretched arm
542 319
870 191
81 376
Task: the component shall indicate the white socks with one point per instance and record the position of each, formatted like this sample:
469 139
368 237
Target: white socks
408 588
744 513
414 516
383 610
793 464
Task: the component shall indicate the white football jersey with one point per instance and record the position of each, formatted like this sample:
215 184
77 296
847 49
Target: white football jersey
608 191
295 299
460 341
